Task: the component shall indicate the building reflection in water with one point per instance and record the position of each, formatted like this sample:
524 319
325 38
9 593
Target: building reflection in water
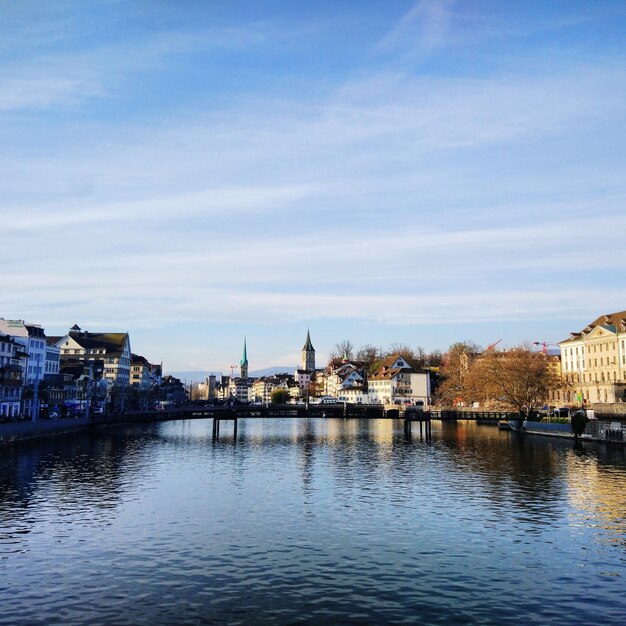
523 477
595 486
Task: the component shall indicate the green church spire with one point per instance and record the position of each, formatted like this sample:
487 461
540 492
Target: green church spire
244 356
244 360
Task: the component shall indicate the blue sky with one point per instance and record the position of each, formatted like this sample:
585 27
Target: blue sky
416 172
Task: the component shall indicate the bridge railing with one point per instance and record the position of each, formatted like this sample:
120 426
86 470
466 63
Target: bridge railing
487 416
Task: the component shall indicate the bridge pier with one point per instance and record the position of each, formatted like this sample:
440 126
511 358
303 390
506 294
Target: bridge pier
424 421
216 426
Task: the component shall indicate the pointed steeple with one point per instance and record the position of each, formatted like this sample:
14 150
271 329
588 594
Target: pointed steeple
308 346
308 354
244 360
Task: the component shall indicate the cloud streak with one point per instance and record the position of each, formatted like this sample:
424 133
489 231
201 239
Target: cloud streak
206 174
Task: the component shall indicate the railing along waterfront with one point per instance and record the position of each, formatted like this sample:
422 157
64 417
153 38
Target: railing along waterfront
487 417
602 429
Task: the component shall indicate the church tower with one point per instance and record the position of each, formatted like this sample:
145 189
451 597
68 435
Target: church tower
308 354
244 361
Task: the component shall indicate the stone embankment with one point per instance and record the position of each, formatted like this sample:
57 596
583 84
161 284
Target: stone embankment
14 432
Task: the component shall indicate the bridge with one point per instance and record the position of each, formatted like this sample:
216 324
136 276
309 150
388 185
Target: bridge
410 414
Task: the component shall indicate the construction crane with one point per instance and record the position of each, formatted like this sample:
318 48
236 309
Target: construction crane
491 346
544 345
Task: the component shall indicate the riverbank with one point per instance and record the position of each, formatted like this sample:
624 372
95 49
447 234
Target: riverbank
598 430
603 430
15 432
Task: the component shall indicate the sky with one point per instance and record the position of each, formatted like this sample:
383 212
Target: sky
379 171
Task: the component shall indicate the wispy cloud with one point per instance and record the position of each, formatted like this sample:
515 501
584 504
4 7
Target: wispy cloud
206 203
386 193
67 78
421 30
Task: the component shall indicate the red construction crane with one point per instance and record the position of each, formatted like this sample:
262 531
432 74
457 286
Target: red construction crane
544 345
491 346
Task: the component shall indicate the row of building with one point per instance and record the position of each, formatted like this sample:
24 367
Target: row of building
395 381
47 376
55 376
591 365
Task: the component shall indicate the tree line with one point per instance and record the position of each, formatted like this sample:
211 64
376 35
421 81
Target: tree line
519 379
371 357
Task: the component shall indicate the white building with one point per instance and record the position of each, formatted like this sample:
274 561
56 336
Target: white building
53 359
12 364
33 340
342 377
353 395
396 382
304 379
242 389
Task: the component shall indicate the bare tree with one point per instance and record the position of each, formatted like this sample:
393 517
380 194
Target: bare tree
402 350
520 378
369 356
344 350
419 358
456 365
434 359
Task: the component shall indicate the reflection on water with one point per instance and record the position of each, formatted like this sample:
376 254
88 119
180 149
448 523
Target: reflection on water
337 521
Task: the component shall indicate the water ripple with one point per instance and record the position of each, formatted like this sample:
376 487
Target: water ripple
338 521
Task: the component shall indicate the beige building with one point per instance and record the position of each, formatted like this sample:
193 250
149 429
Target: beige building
593 361
264 386
143 374
111 348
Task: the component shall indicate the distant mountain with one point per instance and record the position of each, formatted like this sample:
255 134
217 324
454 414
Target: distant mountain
197 376
270 371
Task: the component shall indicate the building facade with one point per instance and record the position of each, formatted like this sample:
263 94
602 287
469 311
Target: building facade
341 378
33 341
396 382
12 362
593 361
113 349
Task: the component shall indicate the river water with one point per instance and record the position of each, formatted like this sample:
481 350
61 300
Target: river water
312 521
